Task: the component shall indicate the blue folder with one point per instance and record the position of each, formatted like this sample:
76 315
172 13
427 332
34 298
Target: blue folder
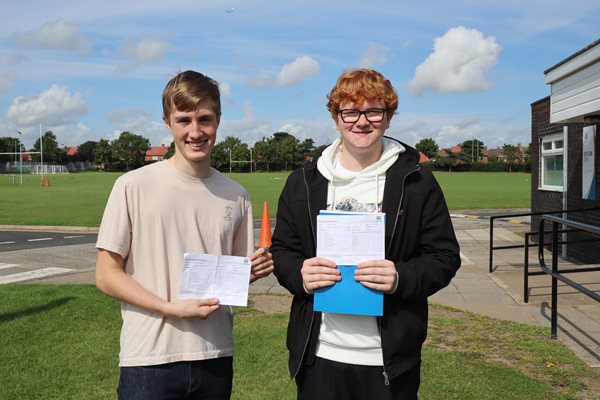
348 296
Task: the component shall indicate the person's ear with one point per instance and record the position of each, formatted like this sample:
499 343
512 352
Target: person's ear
167 124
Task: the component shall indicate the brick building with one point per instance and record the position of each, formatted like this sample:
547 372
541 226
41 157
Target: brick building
156 153
559 152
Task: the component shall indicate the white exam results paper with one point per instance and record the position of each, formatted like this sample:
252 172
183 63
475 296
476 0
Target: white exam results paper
348 239
226 278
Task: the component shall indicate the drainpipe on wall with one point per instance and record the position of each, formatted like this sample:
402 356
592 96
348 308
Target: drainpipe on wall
565 186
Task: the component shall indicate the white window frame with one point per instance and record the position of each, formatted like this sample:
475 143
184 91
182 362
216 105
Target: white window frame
554 150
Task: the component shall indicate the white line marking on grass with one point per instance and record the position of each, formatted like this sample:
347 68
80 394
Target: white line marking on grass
6 266
36 274
73 237
38 240
11 242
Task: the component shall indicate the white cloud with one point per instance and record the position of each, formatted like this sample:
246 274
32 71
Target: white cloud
11 59
126 114
250 129
452 130
145 51
260 81
376 55
140 122
72 135
458 64
53 107
6 81
225 89
58 34
297 70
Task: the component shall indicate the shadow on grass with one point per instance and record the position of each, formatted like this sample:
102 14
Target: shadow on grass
34 310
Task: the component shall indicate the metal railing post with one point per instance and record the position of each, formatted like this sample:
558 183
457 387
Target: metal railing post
554 322
526 269
491 258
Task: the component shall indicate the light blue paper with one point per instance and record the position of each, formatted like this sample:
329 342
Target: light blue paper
349 296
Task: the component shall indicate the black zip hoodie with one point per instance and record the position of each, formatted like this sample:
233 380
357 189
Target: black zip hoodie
419 239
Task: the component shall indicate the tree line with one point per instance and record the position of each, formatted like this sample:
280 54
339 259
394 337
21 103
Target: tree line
471 157
280 151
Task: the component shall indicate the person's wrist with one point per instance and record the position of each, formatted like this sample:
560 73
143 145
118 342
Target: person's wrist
167 309
395 284
305 289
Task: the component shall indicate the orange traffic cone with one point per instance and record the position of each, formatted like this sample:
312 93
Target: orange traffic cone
47 182
264 240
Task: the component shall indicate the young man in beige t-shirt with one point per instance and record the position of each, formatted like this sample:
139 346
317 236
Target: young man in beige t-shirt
155 214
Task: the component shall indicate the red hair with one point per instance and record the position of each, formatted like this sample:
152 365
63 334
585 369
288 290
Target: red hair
360 85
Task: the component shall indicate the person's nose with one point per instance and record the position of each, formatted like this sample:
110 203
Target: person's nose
362 120
196 128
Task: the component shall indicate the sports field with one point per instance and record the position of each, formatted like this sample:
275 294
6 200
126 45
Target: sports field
78 199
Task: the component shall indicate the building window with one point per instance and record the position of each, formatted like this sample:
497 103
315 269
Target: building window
552 163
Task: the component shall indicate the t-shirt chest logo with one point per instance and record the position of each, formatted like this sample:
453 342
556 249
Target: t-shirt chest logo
228 211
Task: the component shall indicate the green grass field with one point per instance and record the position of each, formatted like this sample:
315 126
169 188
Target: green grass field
62 342
78 199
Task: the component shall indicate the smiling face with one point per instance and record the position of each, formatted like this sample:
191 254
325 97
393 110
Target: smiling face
362 136
194 133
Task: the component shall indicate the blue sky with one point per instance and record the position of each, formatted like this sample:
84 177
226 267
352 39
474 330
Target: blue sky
462 69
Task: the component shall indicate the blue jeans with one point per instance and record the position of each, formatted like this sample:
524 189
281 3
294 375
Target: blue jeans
205 379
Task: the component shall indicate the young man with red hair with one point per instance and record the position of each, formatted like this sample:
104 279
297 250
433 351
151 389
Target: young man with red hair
340 356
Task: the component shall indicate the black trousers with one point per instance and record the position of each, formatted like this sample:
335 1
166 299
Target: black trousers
331 380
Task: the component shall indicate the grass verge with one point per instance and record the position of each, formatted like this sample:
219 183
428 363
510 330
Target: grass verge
78 199
61 342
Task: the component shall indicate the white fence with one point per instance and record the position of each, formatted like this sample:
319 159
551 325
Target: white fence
49 169
13 167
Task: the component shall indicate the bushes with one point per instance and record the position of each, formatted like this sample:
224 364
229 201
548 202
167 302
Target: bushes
493 166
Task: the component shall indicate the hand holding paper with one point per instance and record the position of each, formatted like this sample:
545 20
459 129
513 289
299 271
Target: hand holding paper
378 275
206 276
318 272
193 308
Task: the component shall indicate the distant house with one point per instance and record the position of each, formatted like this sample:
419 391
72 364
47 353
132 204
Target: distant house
423 158
156 153
495 155
498 154
27 156
444 152
71 151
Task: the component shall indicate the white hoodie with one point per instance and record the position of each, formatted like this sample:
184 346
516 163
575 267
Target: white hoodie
353 339
362 191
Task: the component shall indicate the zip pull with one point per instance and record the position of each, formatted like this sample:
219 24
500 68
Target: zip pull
401 212
386 380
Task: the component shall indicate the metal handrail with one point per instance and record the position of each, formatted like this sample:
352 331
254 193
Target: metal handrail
554 272
527 273
528 214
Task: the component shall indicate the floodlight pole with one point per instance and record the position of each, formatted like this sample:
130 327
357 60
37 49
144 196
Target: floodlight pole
20 159
230 160
250 159
41 154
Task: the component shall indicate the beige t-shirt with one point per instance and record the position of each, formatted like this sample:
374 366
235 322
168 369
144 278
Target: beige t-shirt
154 215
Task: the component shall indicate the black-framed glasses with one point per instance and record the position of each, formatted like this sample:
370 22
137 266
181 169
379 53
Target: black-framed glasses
371 114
